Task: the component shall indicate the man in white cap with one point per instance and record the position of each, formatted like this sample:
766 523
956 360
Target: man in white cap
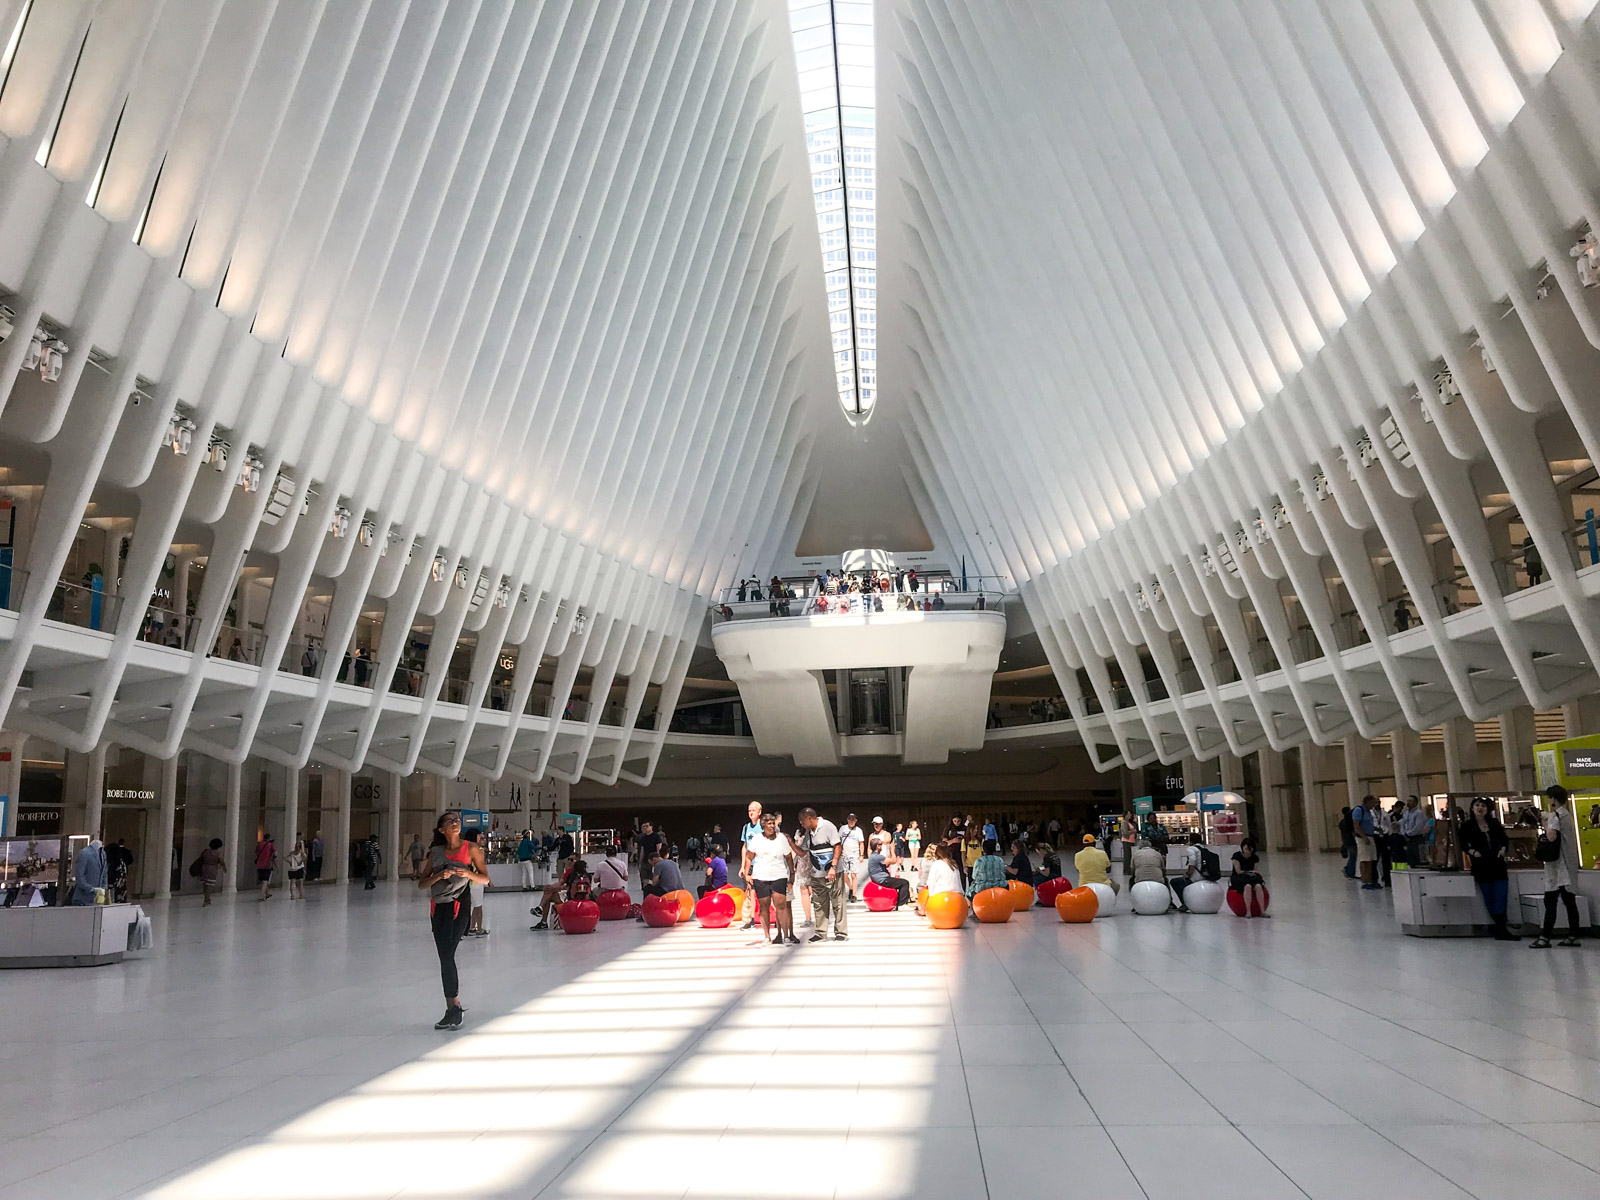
853 838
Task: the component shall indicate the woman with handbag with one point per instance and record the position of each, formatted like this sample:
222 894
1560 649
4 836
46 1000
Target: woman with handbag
1483 846
1557 849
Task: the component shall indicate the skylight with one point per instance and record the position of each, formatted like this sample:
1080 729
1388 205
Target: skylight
834 54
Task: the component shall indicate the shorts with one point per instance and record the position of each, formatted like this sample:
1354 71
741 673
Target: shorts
263 874
771 887
300 874
477 894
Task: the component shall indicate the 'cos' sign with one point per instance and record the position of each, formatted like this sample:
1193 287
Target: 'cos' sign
365 791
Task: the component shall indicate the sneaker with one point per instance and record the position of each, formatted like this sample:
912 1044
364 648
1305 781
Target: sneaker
792 940
451 1018
1539 943
536 911
1370 887
540 924
777 939
841 937
750 924
817 937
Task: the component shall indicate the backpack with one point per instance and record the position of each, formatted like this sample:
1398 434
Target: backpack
1210 864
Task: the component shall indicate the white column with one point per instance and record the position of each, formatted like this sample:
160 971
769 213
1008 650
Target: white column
13 781
393 783
238 864
293 785
1405 755
1516 748
1460 753
158 856
436 782
1270 769
340 848
1232 772
1579 717
94 796
1311 798
180 596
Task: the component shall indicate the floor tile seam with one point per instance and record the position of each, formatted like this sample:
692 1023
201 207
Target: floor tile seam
644 1088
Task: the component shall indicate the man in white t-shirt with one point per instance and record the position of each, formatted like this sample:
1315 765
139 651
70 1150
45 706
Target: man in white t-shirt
853 838
821 841
769 866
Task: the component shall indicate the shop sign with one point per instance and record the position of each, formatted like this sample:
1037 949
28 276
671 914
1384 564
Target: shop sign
129 794
1581 762
37 820
1144 805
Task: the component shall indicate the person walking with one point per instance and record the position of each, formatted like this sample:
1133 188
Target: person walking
1347 842
913 841
371 860
449 874
314 862
1531 562
1484 842
853 839
822 842
212 868
266 861
416 853
769 865
296 866
1557 850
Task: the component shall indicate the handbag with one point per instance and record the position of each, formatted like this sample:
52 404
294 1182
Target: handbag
1548 849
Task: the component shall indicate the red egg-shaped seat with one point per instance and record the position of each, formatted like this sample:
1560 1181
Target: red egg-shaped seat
1236 903
715 910
660 911
1049 889
579 916
614 904
878 898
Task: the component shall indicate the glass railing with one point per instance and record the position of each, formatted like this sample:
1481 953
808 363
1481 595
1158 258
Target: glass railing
859 604
84 607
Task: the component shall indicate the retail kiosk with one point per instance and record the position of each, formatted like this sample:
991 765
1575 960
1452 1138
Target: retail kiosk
37 926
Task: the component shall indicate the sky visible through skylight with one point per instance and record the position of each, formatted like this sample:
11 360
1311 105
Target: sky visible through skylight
833 51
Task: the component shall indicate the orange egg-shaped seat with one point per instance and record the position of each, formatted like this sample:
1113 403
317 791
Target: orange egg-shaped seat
685 904
579 916
922 900
992 906
715 910
660 911
1021 895
735 894
1078 905
947 910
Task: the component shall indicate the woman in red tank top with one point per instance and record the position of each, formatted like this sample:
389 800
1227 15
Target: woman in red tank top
449 872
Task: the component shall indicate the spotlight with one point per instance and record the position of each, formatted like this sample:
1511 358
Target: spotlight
250 475
7 321
341 521
30 360
438 568
52 358
367 533
1586 251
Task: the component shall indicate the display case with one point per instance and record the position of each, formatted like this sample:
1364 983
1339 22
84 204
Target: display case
1183 827
34 870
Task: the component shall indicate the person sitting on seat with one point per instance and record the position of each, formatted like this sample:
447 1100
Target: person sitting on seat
1094 864
612 875
989 871
1245 878
1149 864
878 872
1021 868
576 884
1191 872
1050 861
716 872
664 877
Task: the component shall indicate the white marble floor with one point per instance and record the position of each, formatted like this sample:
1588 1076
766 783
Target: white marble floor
286 1050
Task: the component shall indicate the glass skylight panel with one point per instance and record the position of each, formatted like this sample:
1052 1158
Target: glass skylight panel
833 51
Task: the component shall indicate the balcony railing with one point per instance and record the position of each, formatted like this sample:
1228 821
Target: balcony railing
859 604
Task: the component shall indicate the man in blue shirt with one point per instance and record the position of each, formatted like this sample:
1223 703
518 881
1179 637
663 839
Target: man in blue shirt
716 872
878 872
751 831
663 877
